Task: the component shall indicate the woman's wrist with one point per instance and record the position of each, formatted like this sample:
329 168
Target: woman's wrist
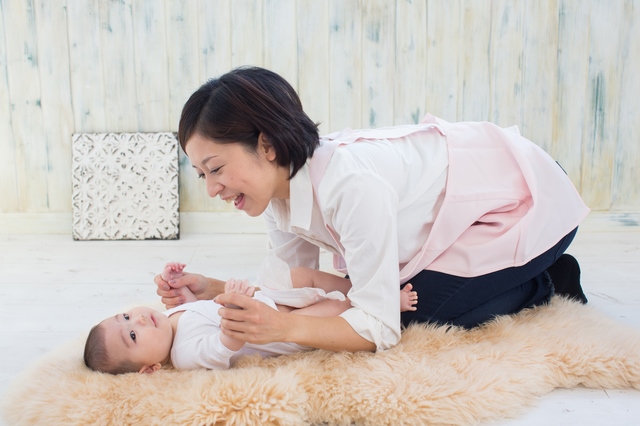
292 331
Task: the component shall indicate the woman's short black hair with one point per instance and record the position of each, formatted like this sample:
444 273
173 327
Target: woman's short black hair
247 101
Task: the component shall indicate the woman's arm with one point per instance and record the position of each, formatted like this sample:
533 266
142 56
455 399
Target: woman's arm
259 324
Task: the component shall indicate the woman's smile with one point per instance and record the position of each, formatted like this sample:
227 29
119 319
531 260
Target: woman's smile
238 202
235 199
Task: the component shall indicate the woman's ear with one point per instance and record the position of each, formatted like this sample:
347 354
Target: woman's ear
265 148
150 369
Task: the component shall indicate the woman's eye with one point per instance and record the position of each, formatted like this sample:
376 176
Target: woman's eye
133 335
214 171
126 316
200 175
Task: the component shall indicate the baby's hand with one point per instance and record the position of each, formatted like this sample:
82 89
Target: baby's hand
172 270
240 287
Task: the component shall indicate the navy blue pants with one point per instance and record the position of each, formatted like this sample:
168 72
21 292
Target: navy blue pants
468 302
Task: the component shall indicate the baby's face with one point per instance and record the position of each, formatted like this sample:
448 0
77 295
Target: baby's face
141 335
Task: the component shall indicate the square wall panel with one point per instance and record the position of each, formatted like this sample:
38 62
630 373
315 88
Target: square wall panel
125 186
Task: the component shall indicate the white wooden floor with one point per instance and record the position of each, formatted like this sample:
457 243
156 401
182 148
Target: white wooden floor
53 289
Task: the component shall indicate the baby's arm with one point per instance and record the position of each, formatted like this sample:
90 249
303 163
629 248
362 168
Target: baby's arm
172 271
242 287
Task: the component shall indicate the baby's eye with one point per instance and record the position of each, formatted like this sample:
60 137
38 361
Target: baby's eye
133 335
126 316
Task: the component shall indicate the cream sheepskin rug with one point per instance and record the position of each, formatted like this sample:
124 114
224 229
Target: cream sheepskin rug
435 376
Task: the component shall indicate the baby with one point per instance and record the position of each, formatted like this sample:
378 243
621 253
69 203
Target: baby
188 336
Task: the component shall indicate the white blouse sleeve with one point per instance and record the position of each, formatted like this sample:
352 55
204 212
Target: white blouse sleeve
362 208
289 247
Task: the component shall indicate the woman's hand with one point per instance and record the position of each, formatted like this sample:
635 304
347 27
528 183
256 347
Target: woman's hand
256 322
250 320
171 293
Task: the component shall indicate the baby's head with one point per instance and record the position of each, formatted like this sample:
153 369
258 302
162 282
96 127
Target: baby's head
138 340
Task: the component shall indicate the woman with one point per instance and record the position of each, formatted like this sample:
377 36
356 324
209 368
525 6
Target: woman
475 217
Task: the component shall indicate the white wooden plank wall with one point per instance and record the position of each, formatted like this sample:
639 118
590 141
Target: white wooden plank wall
9 183
565 71
345 67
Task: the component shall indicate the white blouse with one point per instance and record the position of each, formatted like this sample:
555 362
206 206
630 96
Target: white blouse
381 198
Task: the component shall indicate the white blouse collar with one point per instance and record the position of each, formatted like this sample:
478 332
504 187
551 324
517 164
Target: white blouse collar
301 198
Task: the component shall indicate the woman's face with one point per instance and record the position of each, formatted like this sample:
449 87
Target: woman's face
249 180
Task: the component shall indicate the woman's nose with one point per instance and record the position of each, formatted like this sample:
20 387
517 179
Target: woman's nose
213 188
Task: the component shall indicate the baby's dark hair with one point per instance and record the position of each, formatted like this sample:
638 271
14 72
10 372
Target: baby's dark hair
96 355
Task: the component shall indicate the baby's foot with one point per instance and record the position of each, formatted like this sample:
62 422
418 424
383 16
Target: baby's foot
172 270
408 298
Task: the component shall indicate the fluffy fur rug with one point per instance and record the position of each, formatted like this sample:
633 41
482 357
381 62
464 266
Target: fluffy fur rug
434 376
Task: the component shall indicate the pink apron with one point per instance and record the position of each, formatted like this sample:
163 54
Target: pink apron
506 200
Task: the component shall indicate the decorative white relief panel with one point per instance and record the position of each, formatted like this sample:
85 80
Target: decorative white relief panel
125 186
